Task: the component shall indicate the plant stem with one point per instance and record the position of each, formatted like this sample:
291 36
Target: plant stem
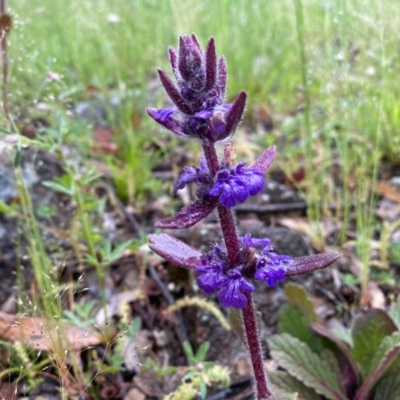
231 239
4 62
253 341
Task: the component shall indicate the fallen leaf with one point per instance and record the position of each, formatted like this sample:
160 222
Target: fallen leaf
45 335
103 141
386 189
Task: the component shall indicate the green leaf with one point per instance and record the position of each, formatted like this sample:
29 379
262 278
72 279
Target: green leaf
394 312
343 347
298 296
236 322
298 359
201 353
292 321
388 351
282 381
341 332
287 396
368 330
58 187
388 388
188 351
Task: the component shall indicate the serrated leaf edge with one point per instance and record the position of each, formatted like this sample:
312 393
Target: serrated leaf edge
312 381
388 351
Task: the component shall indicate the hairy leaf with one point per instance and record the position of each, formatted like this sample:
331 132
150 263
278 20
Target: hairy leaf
189 216
297 358
174 251
236 321
368 330
388 388
394 312
292 321
285 382
298 296
306 264
387 352
265 160
323 331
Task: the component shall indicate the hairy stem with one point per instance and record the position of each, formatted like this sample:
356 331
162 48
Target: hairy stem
253 341
231 239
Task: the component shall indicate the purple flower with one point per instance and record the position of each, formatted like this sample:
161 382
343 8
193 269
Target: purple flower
214 275
248 241
198 94
234 186
197 175
231 295
210 277
271 267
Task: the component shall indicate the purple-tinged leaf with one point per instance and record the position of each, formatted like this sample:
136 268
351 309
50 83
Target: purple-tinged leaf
173 92
173 60
388 351
190 57
174 251
265 160
190 215
303 265
235 114
196 42
211 65
389 387
350 375
222 75
306 366
369 329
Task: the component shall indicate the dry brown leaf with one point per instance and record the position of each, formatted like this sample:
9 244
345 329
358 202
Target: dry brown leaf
386 189
103 138
37 333
374 297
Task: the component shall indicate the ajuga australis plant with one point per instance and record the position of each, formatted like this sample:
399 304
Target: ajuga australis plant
199 112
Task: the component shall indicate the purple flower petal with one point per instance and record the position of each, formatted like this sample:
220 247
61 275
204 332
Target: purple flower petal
248 241
234 192
210 277
165 117
234 186
193 175
231 295
253 179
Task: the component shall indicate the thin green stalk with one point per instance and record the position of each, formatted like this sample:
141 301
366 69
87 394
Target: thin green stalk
313 209
82 215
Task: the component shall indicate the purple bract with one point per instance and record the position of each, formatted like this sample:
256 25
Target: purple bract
198 94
